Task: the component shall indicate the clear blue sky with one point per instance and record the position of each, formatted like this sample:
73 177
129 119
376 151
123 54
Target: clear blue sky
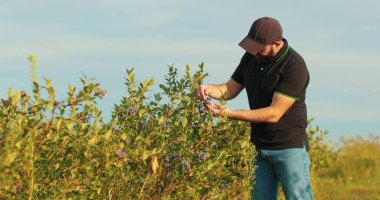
338 40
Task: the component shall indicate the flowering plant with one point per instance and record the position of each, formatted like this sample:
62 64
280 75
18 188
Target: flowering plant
160 146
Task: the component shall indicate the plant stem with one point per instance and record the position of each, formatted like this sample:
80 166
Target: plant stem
142 188
32 172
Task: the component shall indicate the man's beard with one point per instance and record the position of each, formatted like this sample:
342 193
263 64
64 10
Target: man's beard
266 57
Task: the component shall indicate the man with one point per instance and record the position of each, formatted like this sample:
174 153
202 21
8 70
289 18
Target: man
275 78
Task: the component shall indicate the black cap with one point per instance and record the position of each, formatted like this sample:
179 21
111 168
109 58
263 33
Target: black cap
264 31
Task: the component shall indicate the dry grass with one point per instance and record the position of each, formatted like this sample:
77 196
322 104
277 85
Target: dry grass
355 174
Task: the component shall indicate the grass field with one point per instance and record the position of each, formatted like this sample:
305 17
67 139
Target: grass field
354 173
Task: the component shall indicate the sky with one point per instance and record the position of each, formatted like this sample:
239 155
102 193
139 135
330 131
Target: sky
101 39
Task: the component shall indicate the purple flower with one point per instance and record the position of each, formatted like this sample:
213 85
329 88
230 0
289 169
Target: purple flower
86 119
167 162
123 113
207 101
174 155
165 125
121 153
137 144
202 155
224 186
185 164
169 159
201 109
143 125
131 111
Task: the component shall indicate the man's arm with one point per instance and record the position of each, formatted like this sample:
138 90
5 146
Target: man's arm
231 89
272 114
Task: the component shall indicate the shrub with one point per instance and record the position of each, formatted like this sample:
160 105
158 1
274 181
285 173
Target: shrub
53 149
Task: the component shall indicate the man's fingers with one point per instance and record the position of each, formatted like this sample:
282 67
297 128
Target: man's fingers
200 93
202 96
205 92
211 106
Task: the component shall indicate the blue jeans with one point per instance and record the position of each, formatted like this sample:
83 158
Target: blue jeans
290 167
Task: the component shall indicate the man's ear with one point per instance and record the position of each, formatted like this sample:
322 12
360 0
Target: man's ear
278 43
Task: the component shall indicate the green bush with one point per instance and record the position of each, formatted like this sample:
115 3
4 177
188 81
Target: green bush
156 146
160 146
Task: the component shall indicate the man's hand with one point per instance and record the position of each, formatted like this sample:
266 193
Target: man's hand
226 91
203 91
217 110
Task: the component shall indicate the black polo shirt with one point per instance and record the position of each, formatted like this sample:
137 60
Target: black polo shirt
285 73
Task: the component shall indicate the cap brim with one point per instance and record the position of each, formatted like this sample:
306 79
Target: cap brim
251 46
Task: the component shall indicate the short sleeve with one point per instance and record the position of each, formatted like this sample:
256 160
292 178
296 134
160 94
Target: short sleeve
238 74
294 81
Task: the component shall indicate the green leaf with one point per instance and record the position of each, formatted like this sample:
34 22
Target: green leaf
184 122
93 141
51 92
71 90
244 144
160 120
10 157
18 144
69 125
151 82
48 83
130 74
10 93
141 112
146 154
59 122
145 83
83 125
17 96
108 134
